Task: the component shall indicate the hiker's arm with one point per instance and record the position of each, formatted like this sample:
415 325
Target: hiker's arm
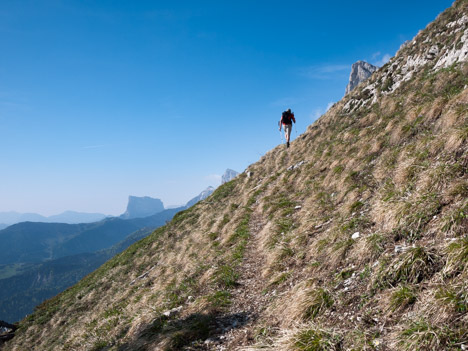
280 124
292 116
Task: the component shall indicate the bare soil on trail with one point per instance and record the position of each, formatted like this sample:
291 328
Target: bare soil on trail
248 298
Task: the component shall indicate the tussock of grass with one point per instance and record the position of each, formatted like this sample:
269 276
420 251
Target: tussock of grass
403 297
375 244
219 299
226 276
456 222
456 297
457 253
316 301
412 267
316 339
422 335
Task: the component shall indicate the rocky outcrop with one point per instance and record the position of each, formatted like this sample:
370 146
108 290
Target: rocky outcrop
442 44
360 71
228 175
139 207
7 331
202 196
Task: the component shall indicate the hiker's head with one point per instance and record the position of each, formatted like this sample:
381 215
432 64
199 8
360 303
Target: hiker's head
289 110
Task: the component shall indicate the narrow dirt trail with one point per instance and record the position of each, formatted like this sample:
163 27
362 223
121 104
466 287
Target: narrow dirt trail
248 299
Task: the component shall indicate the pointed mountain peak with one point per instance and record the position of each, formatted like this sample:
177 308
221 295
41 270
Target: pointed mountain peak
360 71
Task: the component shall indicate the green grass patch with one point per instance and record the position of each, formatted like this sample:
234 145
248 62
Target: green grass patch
454 296
223 191
412 267
219 299
280 279
422 335
457 260
316 302
226 276
315 339
403 297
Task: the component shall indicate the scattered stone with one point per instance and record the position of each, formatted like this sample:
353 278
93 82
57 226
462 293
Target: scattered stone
297 207
173 312
401 248
249 174
297 165
144 275
211 341
355 235
321 225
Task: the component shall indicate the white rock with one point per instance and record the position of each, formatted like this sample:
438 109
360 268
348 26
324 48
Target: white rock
355 235
298 207
297 165
172 312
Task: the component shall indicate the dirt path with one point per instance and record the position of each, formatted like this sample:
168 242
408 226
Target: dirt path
248 299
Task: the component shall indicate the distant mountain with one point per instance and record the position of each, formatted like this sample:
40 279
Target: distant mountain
72 217
13 217
139 207
36 242
202 196
360 71
228 175
21 293
69 217
3 226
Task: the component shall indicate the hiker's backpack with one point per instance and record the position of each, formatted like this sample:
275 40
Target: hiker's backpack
286 117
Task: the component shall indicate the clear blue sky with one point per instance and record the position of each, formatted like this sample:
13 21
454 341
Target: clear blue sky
104 99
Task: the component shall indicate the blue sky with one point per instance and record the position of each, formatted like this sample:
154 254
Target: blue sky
104 99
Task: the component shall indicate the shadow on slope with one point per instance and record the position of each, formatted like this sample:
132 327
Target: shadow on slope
196 331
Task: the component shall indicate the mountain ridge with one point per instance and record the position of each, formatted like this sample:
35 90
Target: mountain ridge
68 217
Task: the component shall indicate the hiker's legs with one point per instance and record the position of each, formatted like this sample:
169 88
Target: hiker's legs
287 131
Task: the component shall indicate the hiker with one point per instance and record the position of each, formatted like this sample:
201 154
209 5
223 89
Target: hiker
286 119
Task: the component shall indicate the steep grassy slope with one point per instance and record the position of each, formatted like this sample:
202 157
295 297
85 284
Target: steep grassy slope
354 238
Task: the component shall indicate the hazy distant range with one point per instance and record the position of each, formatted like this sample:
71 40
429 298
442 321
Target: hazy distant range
69 217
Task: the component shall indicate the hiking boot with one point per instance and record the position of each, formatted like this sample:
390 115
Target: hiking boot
287 144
